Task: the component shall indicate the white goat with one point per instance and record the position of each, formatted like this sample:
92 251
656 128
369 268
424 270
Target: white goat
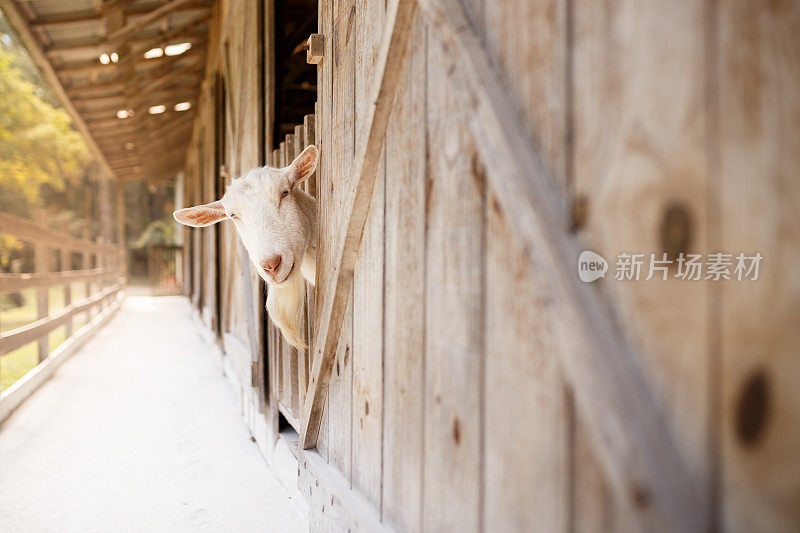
277 223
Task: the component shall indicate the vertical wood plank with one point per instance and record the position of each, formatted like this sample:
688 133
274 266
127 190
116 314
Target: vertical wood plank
292 354
525 395
634 162
323 179
324 174
758 82
40 264
339 137
302 355
310 187
453 312
528 41
524 399
368 281
368 353
404 325
309 129
340 400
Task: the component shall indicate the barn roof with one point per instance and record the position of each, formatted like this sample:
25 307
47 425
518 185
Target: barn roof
92 52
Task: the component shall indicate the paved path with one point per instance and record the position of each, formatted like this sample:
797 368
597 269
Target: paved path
138 431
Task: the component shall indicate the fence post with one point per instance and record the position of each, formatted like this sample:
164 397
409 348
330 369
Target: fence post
65 266
87 256
40 265
122 256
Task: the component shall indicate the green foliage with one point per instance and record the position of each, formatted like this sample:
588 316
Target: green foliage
43 161
158 232
38 147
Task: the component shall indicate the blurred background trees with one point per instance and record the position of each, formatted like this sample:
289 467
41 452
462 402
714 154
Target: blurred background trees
46 168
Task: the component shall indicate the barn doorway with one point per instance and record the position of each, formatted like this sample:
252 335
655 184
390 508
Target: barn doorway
295 80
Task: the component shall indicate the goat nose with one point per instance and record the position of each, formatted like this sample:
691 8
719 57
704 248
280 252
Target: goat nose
271 265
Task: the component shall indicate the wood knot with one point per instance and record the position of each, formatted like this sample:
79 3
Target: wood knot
366 408
641 496
752 408
676 230
456 431
578 213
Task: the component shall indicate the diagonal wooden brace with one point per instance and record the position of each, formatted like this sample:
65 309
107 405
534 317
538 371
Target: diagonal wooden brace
388 68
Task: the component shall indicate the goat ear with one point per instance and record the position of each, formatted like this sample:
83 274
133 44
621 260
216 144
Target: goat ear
201 215
304 165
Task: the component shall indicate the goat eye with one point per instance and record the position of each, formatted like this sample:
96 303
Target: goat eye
234 216
285 193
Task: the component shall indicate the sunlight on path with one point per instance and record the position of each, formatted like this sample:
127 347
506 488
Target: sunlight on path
138 431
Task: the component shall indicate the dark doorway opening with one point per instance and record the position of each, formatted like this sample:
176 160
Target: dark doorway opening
295 80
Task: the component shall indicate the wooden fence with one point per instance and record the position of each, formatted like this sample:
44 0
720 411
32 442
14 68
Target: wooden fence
293 366
102 269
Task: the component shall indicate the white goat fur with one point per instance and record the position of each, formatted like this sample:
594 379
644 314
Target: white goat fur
274 218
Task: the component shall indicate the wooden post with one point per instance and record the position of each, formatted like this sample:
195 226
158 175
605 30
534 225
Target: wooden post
40 265
106 227
122 256
65 265
87 258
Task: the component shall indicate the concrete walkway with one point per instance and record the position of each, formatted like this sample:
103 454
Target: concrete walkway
138 431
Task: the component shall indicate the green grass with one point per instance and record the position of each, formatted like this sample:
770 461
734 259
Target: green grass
16 364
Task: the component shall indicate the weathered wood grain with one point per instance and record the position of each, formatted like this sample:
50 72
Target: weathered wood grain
454 310
368 285
527 477
340 400
324 141
757 86
368 353
404 286
625 75
637 449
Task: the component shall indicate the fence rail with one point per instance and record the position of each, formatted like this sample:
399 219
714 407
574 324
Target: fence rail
103 271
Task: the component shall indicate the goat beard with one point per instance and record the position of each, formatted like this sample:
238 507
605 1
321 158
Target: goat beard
285 308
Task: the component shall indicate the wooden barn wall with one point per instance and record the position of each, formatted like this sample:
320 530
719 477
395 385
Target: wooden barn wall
447 407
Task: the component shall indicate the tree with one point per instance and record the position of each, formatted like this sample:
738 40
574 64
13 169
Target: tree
38 146
43 161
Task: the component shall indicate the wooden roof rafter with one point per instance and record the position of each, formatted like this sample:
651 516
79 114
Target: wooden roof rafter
89 16
150 17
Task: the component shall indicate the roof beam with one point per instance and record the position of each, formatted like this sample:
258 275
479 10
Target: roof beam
65 19
86 67
25 33
181 31
149 18
68 19
143 41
